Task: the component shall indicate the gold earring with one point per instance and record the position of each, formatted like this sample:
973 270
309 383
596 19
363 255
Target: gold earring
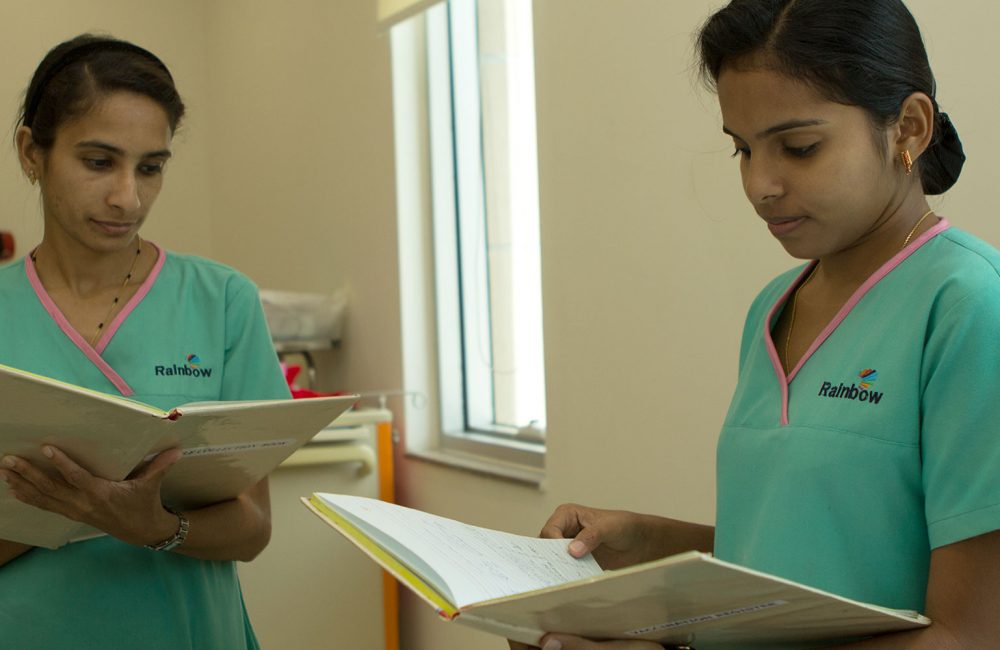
31 176
907 161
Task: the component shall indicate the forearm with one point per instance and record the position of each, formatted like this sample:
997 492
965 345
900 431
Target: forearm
935 637
657 537
664 537
10 550
237 529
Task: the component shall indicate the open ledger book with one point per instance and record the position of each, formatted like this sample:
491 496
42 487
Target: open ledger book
227 446
519 587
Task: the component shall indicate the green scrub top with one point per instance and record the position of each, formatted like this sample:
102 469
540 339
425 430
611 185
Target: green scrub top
194 331
883 443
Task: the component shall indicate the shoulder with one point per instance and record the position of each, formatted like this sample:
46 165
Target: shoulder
959 266
958 252
200 274
13 280
12 271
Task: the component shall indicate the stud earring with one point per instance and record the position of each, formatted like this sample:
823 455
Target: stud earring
31 176
907 161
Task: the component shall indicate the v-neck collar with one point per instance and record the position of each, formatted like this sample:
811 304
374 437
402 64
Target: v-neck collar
94 352
884 270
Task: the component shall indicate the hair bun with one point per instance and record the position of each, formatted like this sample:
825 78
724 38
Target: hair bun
944 158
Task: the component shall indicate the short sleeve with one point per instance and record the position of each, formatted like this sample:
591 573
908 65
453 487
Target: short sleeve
960 428
251 369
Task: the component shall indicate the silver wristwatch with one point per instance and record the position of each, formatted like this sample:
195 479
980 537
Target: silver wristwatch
178 538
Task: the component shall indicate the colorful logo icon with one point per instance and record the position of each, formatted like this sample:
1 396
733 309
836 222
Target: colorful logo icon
193 360
868 377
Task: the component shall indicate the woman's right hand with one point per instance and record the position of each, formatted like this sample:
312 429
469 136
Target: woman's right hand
617 538
10 550
129 509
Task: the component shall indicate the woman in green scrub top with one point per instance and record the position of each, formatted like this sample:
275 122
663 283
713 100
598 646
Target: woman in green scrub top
861 451
97 305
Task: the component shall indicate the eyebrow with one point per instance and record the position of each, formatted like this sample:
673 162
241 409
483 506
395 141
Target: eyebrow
97 144
778 128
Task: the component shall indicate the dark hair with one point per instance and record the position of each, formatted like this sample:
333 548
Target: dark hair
865 53
75 74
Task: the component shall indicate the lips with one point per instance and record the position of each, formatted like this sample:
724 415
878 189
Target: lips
781 226
113 227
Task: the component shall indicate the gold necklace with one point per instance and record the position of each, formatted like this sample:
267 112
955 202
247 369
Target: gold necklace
118 296
791 320
914 230
795 296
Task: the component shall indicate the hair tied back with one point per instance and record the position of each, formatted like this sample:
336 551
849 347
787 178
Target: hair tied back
78 53
943 159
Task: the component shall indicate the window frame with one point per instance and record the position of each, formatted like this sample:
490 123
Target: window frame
447 181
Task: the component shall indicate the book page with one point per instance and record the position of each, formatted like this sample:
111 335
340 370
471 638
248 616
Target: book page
476 564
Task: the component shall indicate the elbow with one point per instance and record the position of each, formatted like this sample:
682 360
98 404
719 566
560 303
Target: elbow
257 542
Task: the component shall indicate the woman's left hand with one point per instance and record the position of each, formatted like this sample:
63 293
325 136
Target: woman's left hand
565 642
130 510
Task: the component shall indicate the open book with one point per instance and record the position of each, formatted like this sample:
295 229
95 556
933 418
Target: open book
519 587
227 446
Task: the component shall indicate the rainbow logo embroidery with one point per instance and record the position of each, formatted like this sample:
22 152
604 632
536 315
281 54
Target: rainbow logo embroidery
868 377
191 368
860 392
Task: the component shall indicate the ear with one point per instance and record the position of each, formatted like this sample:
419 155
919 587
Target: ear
915 126
29 154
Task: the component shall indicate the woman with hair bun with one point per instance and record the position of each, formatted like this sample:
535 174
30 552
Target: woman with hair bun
860 454
96 305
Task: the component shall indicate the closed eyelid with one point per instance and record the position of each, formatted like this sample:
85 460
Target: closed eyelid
805 151
738 142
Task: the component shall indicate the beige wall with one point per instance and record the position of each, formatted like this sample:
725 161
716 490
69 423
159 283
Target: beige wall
302 165
651 254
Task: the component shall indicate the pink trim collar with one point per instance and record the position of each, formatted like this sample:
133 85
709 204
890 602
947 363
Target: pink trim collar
140 294
852 302
92 353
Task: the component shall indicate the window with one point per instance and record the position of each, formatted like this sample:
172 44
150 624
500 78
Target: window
465 129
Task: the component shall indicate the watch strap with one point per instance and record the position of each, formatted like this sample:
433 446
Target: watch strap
178 538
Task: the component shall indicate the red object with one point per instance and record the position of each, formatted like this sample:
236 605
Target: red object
6 245
291 372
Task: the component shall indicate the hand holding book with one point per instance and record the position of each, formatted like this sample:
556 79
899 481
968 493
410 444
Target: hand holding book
535 587
566 642
130 509
618 538
226 449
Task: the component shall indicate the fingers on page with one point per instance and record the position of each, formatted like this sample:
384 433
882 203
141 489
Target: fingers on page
72 473
565 522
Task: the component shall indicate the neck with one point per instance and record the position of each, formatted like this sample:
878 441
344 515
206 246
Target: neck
851 266
81 270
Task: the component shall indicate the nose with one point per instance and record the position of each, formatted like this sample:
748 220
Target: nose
124 193
762 181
